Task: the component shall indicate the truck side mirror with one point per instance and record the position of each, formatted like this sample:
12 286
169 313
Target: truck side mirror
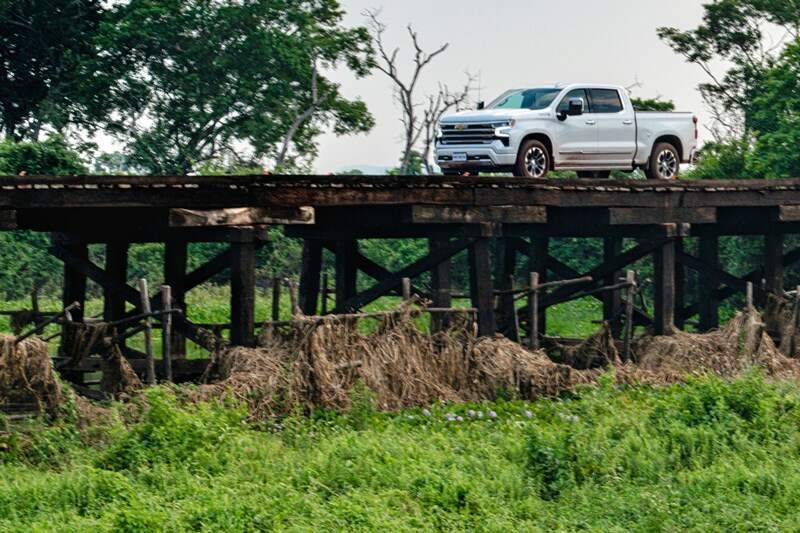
481 105
575 107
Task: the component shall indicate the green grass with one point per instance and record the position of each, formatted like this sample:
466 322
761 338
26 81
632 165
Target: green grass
707 456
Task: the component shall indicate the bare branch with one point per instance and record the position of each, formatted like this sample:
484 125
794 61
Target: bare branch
301 118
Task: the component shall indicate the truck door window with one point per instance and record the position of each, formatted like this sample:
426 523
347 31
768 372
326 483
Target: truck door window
605 101
575 93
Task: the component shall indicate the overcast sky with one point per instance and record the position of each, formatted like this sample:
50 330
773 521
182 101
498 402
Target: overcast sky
518 43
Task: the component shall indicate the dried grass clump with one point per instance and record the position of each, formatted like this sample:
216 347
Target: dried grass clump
598 351
27 376
318 363
779 319
739 346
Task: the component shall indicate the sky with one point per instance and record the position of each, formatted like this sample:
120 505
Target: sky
513 44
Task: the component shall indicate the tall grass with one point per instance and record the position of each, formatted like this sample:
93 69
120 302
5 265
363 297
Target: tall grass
706 456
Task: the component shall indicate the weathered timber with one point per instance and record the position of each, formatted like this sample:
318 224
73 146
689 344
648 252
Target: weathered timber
707 299
773 263
425 214
612 301
240 216
664 288
310 271
440 285
481 288
117 270
417 268
175 259
346 275
639 215
8 219
243 297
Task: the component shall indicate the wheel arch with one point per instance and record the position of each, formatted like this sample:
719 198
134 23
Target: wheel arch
670 138
545 140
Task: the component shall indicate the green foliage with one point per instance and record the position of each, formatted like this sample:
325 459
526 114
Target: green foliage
50 157
652 104
45 49
225 80
706 456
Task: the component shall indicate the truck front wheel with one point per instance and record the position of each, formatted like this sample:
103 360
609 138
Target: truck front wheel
533 160
665 163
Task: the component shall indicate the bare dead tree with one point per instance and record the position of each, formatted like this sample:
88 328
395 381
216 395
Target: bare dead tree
444 101
413 124
301 118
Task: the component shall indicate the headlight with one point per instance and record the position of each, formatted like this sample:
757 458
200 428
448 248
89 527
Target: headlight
439 132
503 129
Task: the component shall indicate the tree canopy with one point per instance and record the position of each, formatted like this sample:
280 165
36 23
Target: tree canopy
204 80
46 49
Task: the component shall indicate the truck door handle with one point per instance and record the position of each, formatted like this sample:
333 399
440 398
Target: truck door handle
627 122
591 122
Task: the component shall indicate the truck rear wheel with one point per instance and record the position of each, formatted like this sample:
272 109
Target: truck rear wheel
665 163
533 160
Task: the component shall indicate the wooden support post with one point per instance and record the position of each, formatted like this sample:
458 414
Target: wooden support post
276 299
150 375
346 272
293 298
773 265
664 274
75 283
481 287
612 300
406 289
749 295
627 330
175 258
708 283
243 290
325 293
537 262
533 310
166 335
440 286
309 276
680 285
117 270
505 269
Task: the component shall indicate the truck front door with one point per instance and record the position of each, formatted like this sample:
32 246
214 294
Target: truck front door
577 135
616 128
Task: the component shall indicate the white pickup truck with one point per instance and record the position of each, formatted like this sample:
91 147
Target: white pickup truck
590 128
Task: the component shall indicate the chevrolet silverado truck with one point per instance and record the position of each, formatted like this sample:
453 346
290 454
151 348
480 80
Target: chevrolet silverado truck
592 129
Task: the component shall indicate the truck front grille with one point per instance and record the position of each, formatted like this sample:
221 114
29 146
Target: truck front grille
457 134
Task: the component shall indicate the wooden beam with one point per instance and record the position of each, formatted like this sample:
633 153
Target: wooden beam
680 285
415 269
538 255
374 270
243 293
440 285
612 300
481 288
240 216
346 275
505 270
773 263
648 215
8 219
707 294
527 214
117 270
310 272
175 259
664 288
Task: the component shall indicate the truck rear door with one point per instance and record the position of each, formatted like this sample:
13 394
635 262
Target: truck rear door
616 128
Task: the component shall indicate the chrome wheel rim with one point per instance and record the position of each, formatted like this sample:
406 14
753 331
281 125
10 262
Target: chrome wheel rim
667 164
536 162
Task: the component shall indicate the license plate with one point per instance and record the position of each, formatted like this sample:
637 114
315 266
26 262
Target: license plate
459 158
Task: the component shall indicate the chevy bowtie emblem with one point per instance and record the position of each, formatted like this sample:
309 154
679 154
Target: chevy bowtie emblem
461 126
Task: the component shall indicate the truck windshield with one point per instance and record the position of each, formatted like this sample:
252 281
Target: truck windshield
525 99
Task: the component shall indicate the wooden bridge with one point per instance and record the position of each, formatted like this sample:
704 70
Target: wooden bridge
453 213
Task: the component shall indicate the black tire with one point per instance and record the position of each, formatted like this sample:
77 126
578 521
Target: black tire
533 160
594 174
664 164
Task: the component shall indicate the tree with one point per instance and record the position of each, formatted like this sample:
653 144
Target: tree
735 33
437 107
652 104
46 48
204 80
50 157
404 90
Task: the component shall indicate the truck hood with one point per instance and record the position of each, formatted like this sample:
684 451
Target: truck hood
488 115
